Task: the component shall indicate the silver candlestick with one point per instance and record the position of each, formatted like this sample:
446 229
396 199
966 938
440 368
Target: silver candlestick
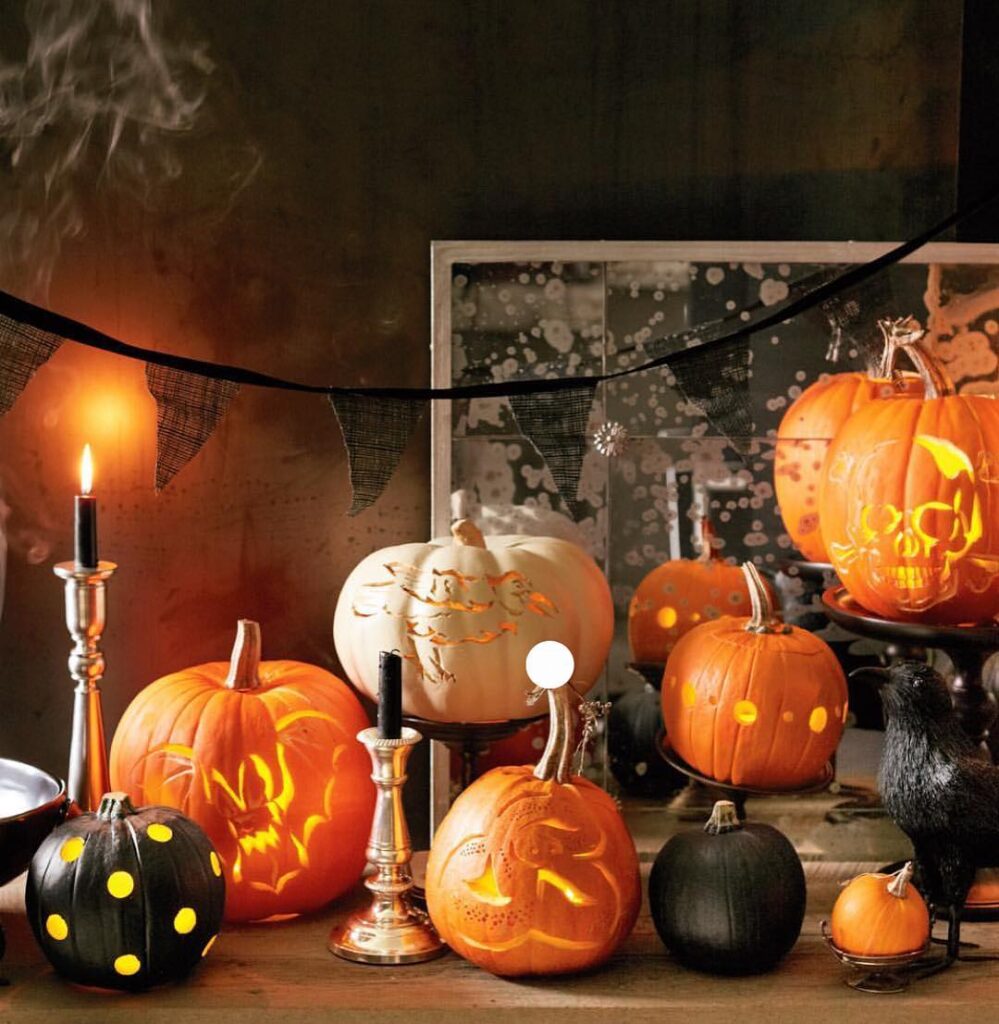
391 930
86 614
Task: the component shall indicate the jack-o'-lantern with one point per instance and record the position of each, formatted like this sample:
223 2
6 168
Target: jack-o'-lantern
534 872
264 757
464 615
808 428
910 502
752 701
679 595
124 897
881 915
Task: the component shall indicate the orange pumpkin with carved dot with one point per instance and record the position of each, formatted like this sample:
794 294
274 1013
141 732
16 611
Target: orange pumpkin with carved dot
264 757
754 702
910 503
807 430
533 871
680 594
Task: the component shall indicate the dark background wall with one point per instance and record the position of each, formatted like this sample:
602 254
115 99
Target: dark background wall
380 126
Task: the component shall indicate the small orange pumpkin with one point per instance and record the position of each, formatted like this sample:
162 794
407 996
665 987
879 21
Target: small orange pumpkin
754 702
264 757
533 871
881 915
808 428
680 594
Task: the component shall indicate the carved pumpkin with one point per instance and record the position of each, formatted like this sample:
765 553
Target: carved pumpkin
633 729
264 756
465 614
910 503
808 428
680 594
534 872
754 702
125 898
728 899
881 915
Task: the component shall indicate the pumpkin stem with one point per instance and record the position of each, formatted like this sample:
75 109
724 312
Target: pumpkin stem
556 760
724 818
708 552
763 618
899 884
115 805
244 662
467 534
908 336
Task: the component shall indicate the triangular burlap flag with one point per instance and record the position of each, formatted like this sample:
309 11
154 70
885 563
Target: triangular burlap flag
22 350
555 423
188 409
375 432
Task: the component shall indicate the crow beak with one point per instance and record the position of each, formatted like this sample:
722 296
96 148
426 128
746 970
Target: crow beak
876 675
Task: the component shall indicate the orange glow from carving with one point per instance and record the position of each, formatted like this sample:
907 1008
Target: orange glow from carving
745 712
666 617
574 895
486 889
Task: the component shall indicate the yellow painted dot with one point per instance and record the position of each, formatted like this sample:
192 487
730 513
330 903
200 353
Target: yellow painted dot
817 719
55 925
745 712
788 716
120 884
688 695
208 945
666 617
159 833
127 964
184 921
71 849
213 857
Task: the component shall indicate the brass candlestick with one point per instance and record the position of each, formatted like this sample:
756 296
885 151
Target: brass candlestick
390 930
86 614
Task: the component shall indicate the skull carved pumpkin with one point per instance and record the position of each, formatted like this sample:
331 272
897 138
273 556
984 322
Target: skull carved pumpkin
807 430
464 615
910 504
264 757
533 871
754 702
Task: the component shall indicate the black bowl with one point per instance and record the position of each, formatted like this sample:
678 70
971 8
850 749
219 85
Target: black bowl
32 803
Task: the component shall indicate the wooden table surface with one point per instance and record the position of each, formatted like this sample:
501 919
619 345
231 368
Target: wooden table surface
283 972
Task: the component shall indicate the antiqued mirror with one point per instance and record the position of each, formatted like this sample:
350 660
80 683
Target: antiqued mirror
507 309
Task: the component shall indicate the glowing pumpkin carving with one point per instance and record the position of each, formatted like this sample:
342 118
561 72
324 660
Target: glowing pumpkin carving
752 701
125 898
464 615
807 430
533 871
881 915
264 756
910 505
680 594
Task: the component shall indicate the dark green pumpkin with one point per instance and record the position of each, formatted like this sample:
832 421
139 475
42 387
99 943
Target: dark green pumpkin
729 899
634 727
125 898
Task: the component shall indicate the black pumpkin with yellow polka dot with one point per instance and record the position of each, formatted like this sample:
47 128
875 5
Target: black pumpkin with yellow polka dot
126 898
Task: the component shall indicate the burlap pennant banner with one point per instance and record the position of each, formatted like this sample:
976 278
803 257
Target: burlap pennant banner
188 409
716 379
375 432
22 350
555 423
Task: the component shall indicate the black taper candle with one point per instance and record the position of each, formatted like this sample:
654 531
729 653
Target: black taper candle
85 531
389 695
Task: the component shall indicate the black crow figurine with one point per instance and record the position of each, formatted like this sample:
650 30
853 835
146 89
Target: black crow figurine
937 788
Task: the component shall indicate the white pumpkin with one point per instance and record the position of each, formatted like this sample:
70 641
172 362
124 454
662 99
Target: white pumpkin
464 613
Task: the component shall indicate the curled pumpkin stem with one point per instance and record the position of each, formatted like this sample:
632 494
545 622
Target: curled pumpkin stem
244 662
467 535
899 884
906 335
763 618
556 760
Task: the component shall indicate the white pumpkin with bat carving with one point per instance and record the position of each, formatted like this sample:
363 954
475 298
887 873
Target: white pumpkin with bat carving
463 612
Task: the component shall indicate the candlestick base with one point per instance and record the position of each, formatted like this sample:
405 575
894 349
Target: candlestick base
368 938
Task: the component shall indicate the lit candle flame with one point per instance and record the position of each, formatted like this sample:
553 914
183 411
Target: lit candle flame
86 470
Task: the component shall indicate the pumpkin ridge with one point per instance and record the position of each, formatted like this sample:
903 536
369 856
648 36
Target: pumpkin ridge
746 734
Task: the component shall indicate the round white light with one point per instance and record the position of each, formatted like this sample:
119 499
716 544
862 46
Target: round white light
550 664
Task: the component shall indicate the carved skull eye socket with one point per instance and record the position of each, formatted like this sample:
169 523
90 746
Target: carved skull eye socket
937 522
876 519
